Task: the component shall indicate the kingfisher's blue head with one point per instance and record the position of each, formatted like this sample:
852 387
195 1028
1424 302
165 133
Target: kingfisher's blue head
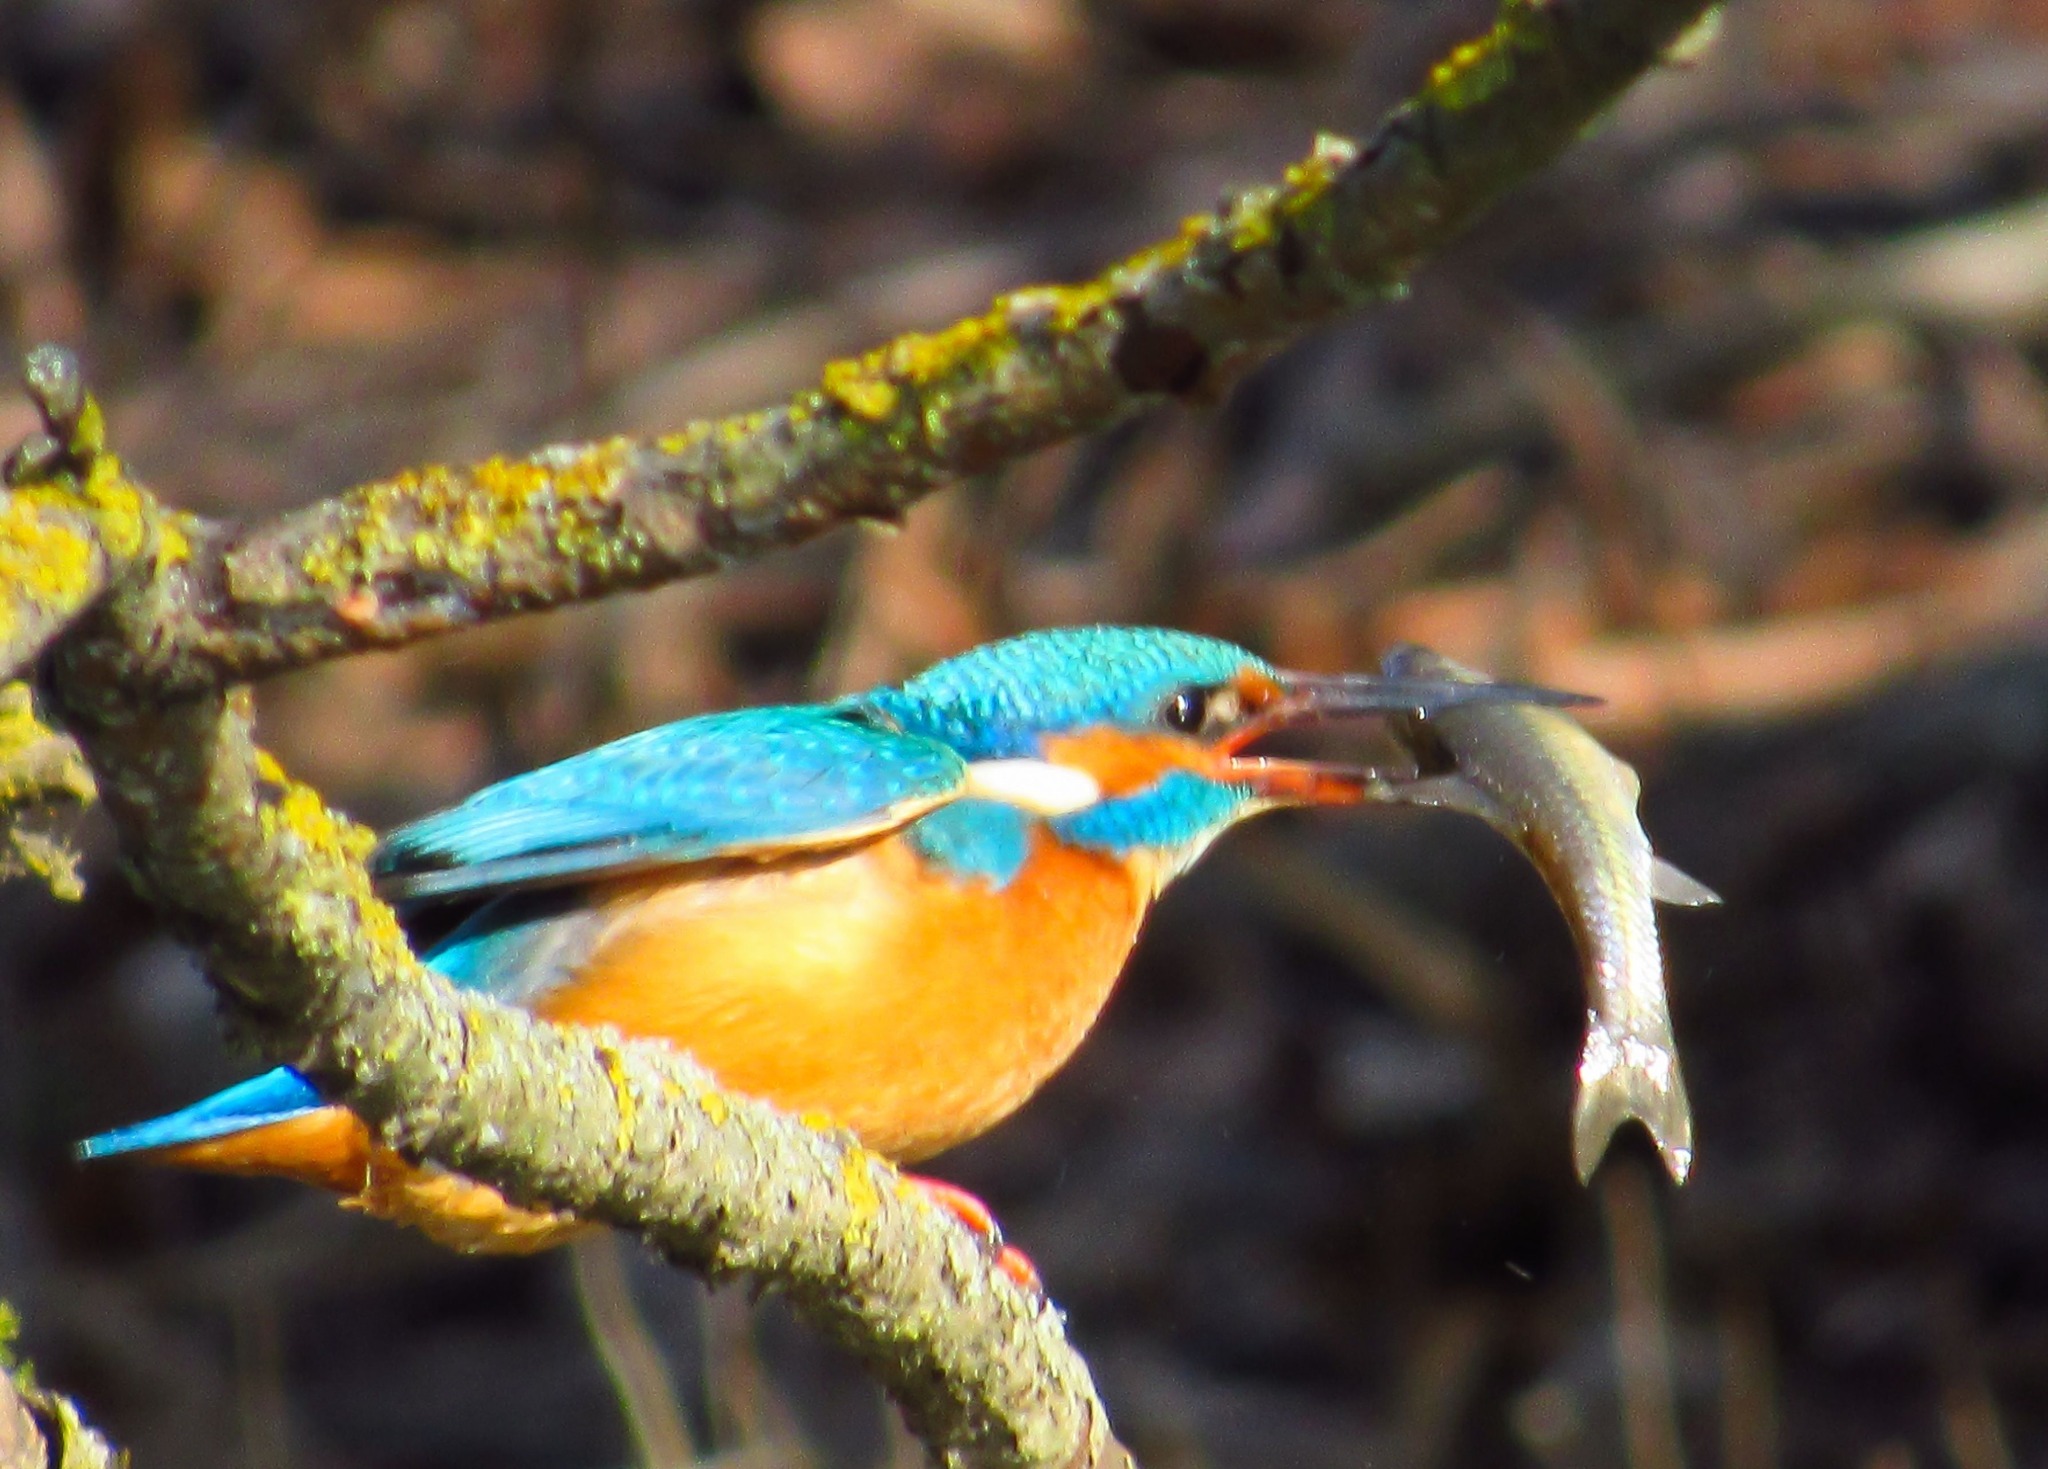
1126 738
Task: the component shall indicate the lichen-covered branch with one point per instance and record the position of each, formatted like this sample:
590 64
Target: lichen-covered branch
445 547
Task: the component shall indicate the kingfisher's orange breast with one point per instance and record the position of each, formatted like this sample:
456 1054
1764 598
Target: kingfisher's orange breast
914 1007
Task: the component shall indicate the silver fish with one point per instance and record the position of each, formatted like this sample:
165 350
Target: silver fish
1539 779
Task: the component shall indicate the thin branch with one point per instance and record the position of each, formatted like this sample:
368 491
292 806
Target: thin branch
426 551
631 1357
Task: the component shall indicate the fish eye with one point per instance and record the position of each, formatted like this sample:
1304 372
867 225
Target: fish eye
1186 709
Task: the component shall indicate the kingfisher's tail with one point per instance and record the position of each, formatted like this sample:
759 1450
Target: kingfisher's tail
276 1125
271 1124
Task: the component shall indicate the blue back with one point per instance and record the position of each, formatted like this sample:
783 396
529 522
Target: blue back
721 785
781 779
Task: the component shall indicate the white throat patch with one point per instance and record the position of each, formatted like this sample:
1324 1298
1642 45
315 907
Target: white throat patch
1038 786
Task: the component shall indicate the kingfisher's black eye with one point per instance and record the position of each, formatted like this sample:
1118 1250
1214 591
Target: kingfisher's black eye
1186 710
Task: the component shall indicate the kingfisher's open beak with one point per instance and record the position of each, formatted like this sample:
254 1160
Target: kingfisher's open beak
1297 700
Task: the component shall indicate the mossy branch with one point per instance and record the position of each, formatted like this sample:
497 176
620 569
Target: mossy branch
141 645
442 547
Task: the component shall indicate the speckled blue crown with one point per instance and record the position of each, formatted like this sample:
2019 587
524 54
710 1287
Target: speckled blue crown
998 699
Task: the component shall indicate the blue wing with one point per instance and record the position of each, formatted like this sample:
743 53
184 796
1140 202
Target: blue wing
272 1097
723 785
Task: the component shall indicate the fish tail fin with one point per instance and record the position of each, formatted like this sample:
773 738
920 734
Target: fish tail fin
1623 1076
272 1124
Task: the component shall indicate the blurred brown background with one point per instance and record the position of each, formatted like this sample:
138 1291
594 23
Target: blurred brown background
1737 417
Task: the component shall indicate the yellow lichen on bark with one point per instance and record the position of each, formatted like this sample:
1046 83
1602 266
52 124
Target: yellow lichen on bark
856 387
121 513
26 743
333 847
902 387
43 777
863 1199
622 1093
46 556
460 521
297 811
1476 70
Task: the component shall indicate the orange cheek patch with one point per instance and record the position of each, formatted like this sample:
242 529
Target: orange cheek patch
1256 689
1122 761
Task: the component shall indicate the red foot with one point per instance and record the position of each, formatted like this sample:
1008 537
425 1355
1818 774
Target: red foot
973 1213
1014 1263
962 1205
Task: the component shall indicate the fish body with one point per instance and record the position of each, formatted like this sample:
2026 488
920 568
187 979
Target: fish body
1540 779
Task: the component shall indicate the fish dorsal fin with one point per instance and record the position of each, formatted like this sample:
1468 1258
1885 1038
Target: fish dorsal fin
1669 885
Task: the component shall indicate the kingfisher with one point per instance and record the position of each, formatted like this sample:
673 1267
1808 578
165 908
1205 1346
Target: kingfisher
901 911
